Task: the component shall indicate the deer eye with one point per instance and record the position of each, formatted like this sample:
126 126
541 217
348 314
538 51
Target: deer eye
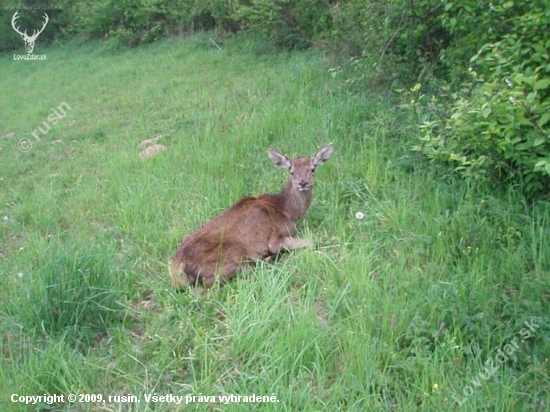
291 173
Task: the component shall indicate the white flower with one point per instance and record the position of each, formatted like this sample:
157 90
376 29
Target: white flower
20 275
508 82
359 215
6 218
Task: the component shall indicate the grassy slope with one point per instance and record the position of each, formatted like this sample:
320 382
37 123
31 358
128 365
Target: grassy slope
354 324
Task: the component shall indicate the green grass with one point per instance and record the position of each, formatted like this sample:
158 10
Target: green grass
399 310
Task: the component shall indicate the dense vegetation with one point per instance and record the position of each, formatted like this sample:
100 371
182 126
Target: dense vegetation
428 287
476 74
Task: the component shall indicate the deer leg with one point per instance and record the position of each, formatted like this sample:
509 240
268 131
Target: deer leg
294 243
178 277
288 243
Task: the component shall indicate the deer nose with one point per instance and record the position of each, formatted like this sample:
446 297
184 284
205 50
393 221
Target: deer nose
303 184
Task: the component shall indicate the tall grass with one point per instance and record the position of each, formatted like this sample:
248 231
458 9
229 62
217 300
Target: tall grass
397 310
70 292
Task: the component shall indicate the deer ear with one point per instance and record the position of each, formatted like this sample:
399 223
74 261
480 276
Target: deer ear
278 159
323 155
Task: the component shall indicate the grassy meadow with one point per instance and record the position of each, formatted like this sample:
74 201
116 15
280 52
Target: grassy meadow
415 296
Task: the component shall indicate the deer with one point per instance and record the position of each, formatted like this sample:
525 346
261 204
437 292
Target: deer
253 229
29 40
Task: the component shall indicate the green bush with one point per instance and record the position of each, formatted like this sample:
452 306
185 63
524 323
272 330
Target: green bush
495 127
287 23
387 42
131 22
127 22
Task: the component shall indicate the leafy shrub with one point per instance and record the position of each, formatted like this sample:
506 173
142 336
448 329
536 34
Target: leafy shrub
495 126
388 42
127 22
288 23
130 22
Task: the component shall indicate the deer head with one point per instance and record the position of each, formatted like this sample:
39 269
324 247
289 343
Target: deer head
302 169
29 40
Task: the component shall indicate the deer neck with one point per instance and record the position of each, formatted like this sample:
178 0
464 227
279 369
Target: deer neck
294 203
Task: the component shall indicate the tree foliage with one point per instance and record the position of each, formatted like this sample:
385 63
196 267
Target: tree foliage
493 125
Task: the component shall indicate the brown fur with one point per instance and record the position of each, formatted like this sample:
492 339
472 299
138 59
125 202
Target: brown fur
254 228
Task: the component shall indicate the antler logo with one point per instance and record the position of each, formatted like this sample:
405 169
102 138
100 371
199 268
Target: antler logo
29 40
